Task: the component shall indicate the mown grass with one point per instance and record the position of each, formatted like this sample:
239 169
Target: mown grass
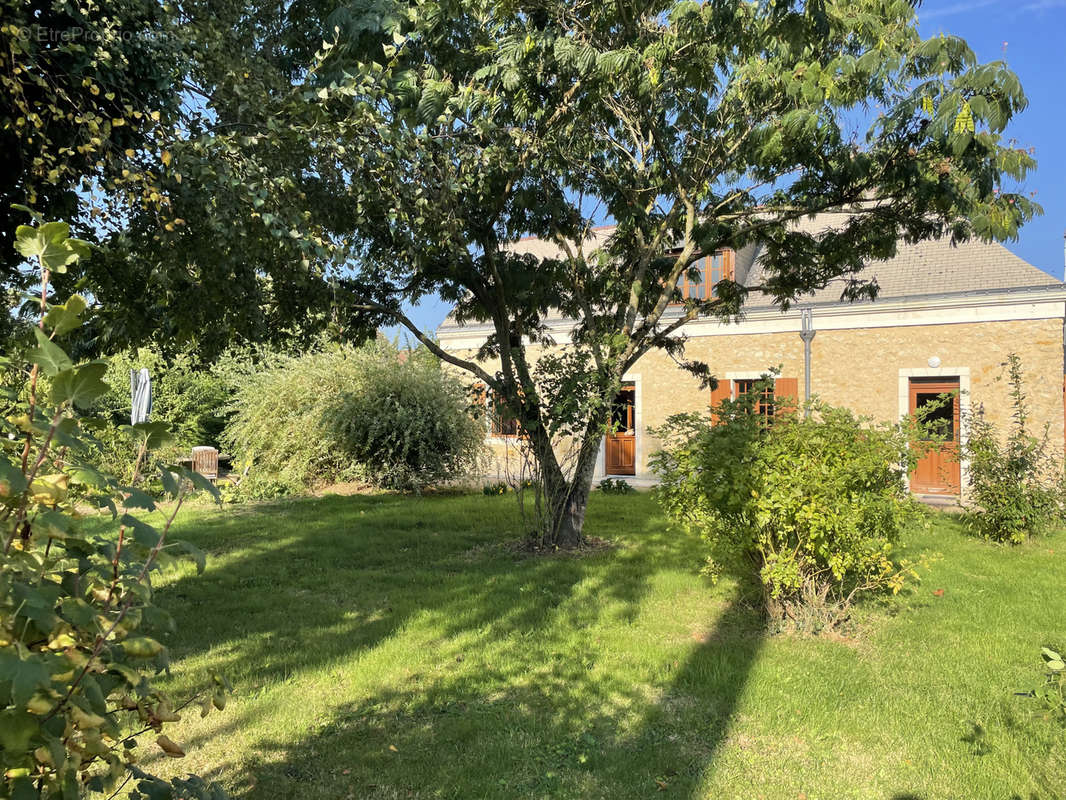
389 647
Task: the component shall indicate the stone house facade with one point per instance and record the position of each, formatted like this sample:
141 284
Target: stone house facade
945 319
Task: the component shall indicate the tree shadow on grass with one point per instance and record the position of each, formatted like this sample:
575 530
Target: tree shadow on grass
551 725
511 692
299 584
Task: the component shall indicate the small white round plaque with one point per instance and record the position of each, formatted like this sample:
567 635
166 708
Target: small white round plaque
934 362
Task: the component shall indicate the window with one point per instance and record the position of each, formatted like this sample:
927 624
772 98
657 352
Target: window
937 415
764 405
501 421
623 412
711 270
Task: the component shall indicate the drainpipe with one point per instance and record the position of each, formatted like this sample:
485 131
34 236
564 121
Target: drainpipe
806 334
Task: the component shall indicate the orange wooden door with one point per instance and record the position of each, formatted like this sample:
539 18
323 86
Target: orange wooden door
938 470
620 446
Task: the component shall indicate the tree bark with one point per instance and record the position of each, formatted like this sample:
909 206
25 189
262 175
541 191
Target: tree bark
566 499
569 517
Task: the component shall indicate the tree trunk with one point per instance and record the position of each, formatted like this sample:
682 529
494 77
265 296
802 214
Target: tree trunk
565 500
569 518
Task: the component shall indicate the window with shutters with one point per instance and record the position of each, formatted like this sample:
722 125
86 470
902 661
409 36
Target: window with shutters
502 422
698 282
775 398
763 402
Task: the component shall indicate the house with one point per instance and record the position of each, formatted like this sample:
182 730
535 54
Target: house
945 319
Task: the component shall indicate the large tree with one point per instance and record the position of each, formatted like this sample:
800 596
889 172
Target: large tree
692 126
138 122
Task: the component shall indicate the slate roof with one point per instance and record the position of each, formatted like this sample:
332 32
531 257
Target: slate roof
929 267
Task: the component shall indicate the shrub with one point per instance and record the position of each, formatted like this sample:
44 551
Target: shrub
345 413
189 398
78 627
615 486
276 425
1052 695
497 488
814 505
1015 481
406 425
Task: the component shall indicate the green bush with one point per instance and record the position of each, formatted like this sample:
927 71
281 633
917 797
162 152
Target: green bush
189 398
615 486
277 427
1052 695
814 505
407 424
79 632
350 414
1015 481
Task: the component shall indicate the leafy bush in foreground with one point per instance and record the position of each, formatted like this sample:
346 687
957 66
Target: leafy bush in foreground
815 505
1015 481
78 627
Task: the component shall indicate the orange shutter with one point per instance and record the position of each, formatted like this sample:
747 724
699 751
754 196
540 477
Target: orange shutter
722 392
786 393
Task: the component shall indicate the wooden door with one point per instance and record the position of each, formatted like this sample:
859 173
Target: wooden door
620 445
938 471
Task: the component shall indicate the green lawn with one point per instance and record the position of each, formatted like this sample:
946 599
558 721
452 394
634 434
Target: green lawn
388 647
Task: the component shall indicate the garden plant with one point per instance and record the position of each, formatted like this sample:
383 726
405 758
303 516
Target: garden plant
1015 479
815 505
79 630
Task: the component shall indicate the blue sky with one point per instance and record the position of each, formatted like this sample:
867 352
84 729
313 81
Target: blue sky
1032 33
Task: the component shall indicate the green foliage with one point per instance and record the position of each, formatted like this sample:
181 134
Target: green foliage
350 413
695 126
1015 480
406 423
1052 695
190 399
125 117
277 428
497 488
85 94
816 505
79 633
615 486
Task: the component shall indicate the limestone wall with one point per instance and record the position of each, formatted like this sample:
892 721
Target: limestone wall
860 368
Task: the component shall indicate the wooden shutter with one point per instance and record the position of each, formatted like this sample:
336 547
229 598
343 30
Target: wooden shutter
722 392
786 393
